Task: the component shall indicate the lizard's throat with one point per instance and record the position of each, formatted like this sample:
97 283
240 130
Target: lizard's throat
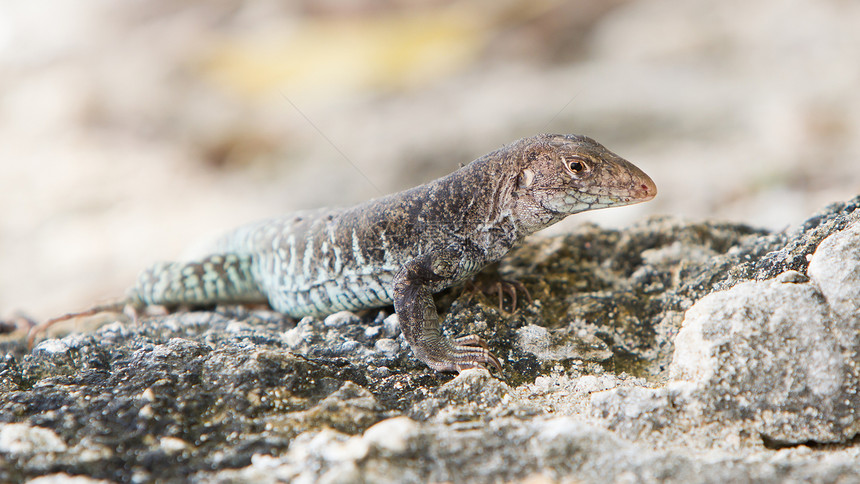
531 216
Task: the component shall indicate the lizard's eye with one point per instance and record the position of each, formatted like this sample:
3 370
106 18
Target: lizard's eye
575 166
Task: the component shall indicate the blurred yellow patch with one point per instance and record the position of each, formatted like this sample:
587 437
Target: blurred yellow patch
336 55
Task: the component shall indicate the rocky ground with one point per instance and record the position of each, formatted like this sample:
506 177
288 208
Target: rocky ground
664 352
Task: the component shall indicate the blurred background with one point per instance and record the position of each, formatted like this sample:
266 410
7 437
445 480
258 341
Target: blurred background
132 130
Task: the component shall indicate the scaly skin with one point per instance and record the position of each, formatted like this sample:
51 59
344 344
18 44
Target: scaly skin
404 247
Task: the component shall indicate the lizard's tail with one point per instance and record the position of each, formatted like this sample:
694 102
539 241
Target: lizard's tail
110 307
216 279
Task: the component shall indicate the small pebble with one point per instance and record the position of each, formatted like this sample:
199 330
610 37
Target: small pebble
348 346
387 346
391 326
340 319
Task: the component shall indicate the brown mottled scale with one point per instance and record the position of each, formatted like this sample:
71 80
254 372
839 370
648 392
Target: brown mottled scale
404 247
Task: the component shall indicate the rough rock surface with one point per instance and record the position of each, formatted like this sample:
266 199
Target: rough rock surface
668 351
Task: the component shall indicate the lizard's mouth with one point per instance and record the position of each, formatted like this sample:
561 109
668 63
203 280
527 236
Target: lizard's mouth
575 201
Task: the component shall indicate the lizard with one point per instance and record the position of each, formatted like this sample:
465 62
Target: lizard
401 248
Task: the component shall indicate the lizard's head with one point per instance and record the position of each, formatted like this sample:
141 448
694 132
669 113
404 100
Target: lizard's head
565 174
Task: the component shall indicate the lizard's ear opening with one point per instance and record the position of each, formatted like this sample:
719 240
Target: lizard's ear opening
526 178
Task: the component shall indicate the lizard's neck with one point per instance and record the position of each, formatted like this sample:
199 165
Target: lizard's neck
496 217
530 216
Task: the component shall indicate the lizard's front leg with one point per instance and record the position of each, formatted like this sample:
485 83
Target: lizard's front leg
419 321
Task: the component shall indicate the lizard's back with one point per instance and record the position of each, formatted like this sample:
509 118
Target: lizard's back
322 261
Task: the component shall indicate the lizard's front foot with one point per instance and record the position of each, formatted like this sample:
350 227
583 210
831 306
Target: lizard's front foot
419 321
460 354
472 351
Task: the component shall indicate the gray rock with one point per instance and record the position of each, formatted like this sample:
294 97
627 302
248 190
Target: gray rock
770 353
781 354
835 269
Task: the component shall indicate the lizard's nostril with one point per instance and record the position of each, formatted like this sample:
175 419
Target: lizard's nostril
649 188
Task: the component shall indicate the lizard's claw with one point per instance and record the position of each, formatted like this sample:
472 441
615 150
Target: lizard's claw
471 351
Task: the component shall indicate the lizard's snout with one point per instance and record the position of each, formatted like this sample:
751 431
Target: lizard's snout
640 187
647 188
